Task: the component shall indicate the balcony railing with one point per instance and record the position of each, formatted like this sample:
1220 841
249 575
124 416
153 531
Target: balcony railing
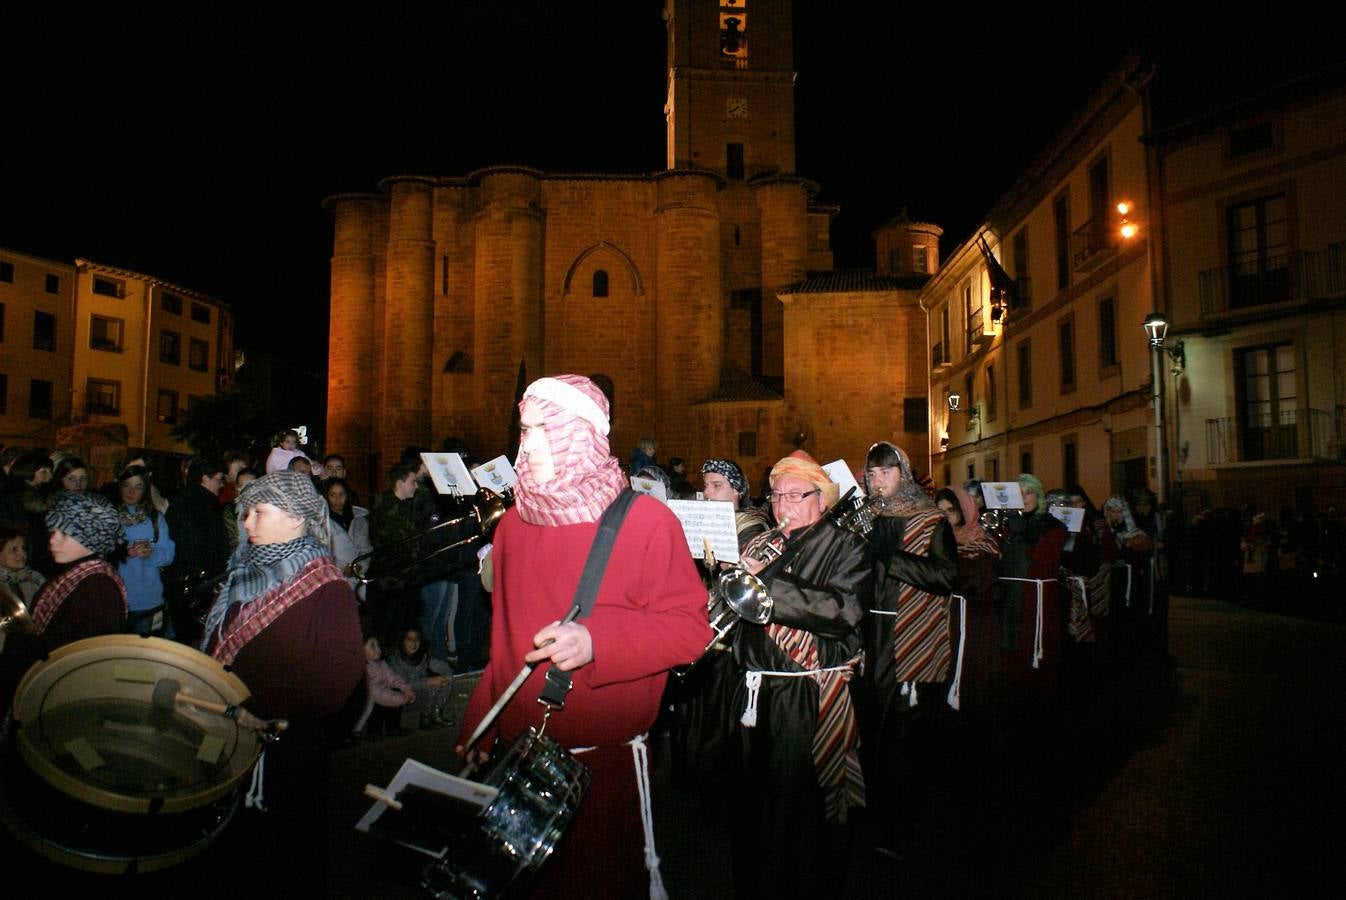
939 356
1289 434
1274 279
1092 242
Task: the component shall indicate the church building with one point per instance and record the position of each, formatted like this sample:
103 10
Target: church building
702 298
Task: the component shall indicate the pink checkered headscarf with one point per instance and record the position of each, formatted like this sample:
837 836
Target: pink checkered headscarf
588 477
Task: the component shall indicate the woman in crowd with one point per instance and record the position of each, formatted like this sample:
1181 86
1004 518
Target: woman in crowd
86 598
1030 607
15 572
1083 579
430 678
149 547
350 531
70 474
978 568
1130 575
23 504
1093 546
286 622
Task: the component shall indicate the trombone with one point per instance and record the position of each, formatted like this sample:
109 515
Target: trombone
487 510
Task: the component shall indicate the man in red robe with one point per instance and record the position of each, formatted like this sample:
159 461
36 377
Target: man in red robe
649 615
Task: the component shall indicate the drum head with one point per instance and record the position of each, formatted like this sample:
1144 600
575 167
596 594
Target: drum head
87 722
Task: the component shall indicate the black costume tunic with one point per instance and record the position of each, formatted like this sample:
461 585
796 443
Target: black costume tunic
781 840
897 736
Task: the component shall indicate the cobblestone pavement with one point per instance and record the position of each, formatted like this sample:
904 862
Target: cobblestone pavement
1218 773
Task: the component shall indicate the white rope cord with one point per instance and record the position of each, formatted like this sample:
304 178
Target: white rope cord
253 799
1037 632
753 679
909 691
1084 591
955 689
640 756
883 612
1152 585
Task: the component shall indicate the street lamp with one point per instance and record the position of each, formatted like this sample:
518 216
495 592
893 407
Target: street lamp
1156 329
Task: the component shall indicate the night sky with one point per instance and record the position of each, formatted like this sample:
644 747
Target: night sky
195 142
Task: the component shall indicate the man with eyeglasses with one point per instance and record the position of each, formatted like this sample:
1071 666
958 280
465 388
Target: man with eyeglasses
908 647
800 773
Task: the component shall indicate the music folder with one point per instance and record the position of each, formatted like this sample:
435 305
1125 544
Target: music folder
435 807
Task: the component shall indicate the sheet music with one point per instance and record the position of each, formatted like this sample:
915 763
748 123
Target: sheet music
708 520
449 473
417 773
843 477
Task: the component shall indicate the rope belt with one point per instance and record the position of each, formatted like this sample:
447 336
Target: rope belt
753 679
640 756
955 689
1037 632
1152 585
253 799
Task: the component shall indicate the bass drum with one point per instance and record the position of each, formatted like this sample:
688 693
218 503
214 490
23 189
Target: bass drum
540 786
99 777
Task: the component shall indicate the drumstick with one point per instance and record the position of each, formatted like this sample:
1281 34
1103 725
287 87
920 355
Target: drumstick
168 693
513 689
374 792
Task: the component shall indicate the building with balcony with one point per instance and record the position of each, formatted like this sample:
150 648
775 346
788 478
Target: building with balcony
145 350
1035 322
37 327
1254 284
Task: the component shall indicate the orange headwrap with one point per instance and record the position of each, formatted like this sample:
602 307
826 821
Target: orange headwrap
800 465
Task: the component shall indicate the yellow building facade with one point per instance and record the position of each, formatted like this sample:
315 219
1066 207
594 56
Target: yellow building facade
144 351
37 328
1254 218
1052 373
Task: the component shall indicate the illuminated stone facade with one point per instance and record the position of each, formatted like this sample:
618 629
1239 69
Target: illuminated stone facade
448 291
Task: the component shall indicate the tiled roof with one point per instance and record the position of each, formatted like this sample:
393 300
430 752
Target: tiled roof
853 281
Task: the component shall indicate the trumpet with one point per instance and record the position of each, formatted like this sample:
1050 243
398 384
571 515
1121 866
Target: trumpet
860 518
997 521
488 508
13 613
734 592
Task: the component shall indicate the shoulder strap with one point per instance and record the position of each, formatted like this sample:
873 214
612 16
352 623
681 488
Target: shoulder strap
558 682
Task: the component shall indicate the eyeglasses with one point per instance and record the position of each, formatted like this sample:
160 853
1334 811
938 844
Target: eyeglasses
790 496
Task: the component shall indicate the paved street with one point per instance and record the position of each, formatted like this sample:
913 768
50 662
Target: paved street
1221 775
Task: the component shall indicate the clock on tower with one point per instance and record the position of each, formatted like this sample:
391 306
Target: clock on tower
736 107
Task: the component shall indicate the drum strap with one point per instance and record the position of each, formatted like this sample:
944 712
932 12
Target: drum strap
557 683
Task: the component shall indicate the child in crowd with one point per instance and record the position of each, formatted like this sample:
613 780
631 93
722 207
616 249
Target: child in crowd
430 678
14 570
22 581
387 695
288 449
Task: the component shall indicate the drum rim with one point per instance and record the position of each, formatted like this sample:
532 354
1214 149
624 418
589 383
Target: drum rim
229 685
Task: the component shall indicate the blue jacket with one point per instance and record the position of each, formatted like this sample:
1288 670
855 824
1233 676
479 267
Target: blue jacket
144 588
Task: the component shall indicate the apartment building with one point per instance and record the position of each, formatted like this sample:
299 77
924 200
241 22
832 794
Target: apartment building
145 350
1254 261
1039 361
37 327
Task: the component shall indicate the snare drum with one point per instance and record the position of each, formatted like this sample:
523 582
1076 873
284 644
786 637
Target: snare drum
100 778
540 786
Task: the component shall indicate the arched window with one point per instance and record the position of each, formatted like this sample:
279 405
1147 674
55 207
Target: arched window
600 283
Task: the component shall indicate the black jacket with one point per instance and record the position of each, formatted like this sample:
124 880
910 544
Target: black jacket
196 522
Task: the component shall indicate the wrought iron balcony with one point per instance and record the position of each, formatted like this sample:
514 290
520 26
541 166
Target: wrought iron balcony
1093 242
1274 279
1290 434
939 356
